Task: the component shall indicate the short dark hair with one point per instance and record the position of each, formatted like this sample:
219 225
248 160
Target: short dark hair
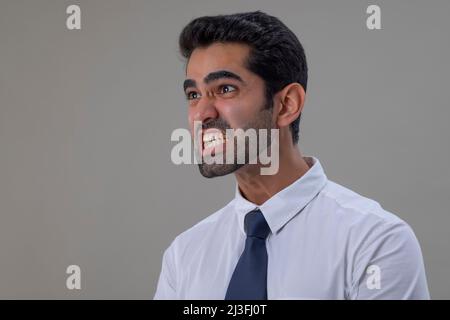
276 54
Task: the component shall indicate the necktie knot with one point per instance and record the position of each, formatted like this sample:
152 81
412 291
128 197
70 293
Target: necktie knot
256 225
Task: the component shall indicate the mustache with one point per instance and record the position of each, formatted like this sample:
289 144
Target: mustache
222 125
219 124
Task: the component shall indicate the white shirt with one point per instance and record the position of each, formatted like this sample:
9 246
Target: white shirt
326 242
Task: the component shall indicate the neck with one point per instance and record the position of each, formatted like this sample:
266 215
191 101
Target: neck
258 188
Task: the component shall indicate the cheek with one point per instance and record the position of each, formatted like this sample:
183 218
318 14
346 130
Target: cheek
230 113
191 119
238 113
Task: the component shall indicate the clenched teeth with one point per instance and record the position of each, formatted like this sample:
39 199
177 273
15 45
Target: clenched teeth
212 139
212 142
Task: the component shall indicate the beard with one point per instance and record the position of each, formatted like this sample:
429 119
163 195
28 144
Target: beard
263 120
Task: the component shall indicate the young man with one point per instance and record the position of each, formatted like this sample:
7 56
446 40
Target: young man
293 234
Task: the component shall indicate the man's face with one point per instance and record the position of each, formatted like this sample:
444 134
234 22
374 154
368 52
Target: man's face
223 94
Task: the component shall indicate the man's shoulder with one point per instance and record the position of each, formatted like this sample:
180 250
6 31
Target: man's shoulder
365 225
353 208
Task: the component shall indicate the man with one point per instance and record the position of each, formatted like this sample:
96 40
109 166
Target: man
293 234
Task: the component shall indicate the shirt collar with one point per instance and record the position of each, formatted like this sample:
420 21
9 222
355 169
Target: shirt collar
284 205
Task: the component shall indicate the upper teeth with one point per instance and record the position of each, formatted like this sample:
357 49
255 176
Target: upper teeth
212 139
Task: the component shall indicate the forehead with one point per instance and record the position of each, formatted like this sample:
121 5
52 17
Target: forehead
218 56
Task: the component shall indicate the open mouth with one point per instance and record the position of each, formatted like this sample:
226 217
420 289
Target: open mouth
213 141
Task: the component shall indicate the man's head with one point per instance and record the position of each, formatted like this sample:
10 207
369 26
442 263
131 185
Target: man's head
237 65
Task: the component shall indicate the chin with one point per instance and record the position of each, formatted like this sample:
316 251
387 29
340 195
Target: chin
217 170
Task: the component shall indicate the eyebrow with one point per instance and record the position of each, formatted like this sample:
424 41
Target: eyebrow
216 75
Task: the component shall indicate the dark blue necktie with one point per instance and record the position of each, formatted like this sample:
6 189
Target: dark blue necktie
249 279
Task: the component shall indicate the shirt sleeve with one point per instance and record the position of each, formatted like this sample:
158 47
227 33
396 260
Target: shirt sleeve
166 288
390 266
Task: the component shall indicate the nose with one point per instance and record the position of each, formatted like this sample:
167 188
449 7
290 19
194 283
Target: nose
205 110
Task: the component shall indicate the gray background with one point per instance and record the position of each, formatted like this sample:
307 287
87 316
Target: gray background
86 118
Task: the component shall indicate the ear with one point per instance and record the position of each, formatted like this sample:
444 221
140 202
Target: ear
292 99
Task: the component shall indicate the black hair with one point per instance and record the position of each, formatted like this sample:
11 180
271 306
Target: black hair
276 54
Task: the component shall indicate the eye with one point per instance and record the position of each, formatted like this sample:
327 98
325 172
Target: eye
226 88
192 95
